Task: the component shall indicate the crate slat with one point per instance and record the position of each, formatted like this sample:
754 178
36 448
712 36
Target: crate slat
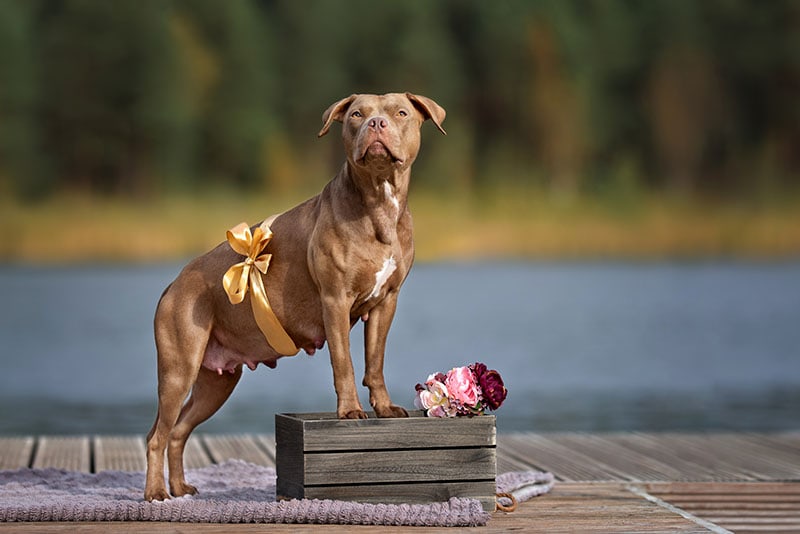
416 493
399 466
326 432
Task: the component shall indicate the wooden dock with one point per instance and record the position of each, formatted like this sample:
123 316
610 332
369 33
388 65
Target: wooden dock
618 482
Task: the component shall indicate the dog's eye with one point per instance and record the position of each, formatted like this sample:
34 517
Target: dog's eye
403 113
356 114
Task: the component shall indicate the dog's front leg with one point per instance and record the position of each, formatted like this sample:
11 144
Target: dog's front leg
336 315
375 333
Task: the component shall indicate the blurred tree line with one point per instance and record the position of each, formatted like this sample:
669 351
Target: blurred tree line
142 97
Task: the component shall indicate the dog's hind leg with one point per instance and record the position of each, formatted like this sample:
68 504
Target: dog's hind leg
209 393
181 338
170 399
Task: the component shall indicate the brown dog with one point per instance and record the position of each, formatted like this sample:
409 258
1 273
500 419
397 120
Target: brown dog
337 257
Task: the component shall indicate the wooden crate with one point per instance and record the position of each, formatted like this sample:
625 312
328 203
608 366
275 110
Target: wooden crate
413 460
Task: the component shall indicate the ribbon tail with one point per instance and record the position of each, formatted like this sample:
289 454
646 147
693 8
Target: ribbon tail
267 321
235 282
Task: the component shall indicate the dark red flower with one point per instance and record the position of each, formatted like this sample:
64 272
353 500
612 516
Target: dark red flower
494 391
478 368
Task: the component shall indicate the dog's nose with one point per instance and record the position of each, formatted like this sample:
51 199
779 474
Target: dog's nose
378 123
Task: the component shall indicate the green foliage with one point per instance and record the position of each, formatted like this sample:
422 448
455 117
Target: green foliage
609 97
21 168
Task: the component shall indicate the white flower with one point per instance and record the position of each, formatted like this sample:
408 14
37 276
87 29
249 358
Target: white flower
434 399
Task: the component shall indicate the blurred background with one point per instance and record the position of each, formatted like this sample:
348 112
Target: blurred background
612 221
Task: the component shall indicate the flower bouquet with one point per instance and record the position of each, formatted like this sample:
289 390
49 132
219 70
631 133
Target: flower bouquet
467 390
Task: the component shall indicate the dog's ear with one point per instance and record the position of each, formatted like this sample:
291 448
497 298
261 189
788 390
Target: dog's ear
429 109
335 113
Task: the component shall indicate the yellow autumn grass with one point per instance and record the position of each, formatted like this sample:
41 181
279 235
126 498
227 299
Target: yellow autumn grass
508 223
527 224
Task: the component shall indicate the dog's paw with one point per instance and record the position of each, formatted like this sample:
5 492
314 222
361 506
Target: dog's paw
353 414
182 488
391 411
159 494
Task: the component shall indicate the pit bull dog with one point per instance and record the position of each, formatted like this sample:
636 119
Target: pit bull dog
339 257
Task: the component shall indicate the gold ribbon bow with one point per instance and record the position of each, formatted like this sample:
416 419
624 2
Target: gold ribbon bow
239 276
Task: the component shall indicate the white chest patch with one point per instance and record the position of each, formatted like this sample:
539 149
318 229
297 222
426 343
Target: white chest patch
389 190
382 276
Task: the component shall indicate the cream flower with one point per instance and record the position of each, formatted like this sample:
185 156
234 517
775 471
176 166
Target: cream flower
434 399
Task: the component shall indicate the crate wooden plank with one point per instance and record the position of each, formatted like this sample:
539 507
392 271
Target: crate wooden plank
399 466
15 452
290 458
63 452
236 447
415 493
326 432
119 453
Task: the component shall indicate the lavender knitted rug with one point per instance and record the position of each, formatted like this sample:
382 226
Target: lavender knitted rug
231 492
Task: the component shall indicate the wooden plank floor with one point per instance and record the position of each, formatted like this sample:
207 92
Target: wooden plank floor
615 482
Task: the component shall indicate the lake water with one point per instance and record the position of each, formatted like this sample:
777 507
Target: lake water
581 346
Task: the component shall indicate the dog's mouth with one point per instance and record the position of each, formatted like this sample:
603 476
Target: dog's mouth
377 151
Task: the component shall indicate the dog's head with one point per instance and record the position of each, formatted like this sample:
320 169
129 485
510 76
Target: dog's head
382 130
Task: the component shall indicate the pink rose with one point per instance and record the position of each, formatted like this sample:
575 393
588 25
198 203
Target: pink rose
460 382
